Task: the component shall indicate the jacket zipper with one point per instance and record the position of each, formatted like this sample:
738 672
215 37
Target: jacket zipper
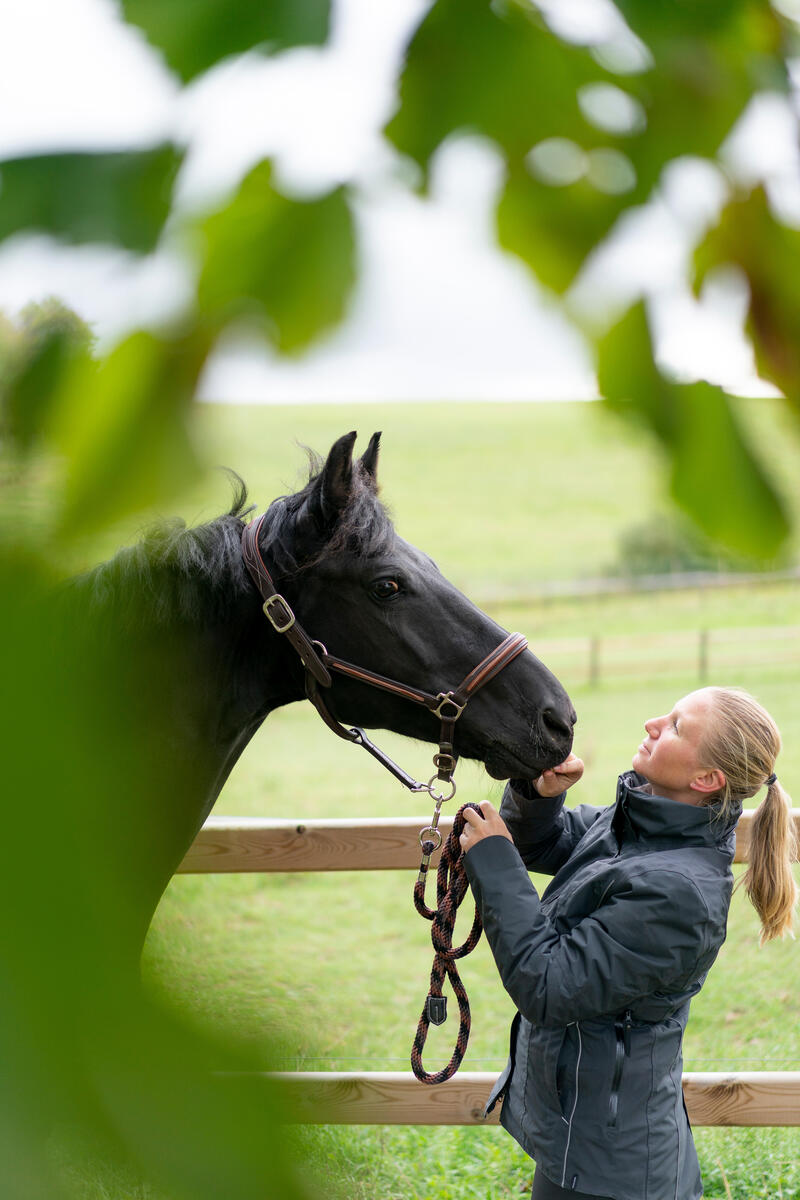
574 1103
622 1028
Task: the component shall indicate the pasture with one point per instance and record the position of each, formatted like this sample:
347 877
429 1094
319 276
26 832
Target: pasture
330 971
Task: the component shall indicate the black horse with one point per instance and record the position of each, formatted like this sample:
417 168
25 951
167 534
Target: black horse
127 702
197 666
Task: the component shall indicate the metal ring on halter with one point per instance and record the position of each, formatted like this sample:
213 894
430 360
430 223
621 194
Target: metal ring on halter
440 797
436 833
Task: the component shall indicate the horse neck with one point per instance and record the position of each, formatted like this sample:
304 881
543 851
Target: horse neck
233 677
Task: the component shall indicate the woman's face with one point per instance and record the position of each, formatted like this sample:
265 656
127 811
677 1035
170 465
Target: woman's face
669 757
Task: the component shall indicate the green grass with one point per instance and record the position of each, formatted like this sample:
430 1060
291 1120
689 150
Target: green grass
330 971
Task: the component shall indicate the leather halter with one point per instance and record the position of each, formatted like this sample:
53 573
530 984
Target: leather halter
318 664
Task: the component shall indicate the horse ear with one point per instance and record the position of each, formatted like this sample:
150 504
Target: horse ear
337 478
369 459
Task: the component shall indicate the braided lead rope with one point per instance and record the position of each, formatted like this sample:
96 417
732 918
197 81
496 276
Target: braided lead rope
451 887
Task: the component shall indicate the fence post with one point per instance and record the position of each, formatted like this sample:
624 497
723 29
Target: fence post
594 660
703 656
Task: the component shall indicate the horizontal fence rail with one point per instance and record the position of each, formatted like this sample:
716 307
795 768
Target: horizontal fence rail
397 1098
246 844
705 653
241 844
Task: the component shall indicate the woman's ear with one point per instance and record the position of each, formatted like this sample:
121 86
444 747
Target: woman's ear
709 781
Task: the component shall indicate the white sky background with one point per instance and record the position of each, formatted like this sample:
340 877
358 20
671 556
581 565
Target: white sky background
440 312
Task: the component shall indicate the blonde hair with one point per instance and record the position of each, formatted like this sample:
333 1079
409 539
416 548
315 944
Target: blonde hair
743 742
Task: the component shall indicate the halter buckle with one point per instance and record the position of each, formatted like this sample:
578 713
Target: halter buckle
280 626
447 698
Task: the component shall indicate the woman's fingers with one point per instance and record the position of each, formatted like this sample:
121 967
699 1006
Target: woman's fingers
483 824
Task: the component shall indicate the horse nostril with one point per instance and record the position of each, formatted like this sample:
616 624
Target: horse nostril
557 725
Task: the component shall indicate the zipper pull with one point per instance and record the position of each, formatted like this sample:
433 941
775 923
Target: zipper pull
626 1031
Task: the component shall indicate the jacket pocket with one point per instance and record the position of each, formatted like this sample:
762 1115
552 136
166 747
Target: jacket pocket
567 1071
545 1058
622 1031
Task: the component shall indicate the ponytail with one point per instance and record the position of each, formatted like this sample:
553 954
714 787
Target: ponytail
769 881
743 741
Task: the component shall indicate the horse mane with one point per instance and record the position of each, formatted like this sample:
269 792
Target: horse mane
180 575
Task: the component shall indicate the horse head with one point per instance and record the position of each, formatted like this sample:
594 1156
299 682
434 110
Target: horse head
371 598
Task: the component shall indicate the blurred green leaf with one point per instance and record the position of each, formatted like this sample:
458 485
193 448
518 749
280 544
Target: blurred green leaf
123 198
702 79
768 252
715 475
196 34
553 228
122 427
701 19
34 357
288 265
628 380
493 69
86 1054
27 393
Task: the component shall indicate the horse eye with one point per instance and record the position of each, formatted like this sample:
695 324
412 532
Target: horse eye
385 589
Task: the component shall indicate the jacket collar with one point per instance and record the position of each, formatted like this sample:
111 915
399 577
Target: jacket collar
641 813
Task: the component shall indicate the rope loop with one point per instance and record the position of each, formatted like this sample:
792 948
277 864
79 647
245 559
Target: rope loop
451 887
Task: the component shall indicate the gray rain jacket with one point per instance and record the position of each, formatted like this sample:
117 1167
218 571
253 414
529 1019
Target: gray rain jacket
601 969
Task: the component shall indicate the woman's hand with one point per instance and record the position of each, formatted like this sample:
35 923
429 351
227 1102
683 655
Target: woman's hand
558 779
477 827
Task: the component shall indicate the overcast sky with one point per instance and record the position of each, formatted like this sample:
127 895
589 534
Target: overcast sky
439 312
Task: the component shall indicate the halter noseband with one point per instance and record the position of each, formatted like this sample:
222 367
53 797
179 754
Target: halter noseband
318 664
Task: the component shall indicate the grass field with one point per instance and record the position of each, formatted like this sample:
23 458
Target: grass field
330 971
504 496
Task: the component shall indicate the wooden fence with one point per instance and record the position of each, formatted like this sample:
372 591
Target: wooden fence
240 844
705 653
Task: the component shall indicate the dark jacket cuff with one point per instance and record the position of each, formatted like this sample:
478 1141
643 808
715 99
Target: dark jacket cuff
488 857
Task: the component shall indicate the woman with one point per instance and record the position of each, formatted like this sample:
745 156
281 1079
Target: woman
602 967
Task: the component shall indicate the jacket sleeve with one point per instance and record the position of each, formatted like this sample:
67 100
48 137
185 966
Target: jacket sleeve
652 935
544 831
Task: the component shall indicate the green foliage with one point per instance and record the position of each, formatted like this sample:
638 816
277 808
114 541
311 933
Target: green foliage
124 448
194 35
39 320
572 170
94 440
260 254
34 357
489 69
122 198
553 228
715 475
749 237
663 546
